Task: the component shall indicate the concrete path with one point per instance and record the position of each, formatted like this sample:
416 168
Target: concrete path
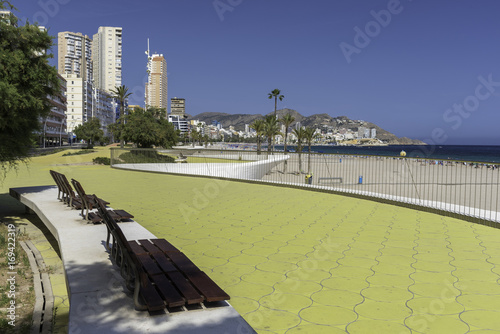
99 301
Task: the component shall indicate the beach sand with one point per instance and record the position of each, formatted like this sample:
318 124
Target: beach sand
425 180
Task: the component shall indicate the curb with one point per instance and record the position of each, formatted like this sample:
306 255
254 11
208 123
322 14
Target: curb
44 304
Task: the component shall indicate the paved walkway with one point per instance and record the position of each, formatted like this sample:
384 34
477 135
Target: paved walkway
297 261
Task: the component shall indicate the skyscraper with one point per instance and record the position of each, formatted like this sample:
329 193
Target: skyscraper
76 64
157 86
107 58
75 55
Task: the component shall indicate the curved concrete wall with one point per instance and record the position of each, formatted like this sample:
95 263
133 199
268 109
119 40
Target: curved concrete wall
246 170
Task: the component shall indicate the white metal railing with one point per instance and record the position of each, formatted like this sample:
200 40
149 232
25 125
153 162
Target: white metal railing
470 189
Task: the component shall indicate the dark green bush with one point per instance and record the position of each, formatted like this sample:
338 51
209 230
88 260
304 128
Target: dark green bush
78 152
102 161
145 156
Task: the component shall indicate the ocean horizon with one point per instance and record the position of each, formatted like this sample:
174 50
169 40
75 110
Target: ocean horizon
471 153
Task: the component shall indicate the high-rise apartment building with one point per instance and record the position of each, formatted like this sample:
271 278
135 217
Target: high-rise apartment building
178 106
54 124
80 101
107 58
75 55
90 77
157 86
85 101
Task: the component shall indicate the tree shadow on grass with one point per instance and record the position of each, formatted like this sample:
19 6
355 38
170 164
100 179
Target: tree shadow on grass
13 212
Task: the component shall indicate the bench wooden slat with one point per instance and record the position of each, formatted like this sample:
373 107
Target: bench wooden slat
122 214
149 264
162 260
152 298
165 246
182 262
187 290
136 248
94 217
149 246
207 287
171 296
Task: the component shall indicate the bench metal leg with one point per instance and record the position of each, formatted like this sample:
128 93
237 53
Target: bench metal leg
138 305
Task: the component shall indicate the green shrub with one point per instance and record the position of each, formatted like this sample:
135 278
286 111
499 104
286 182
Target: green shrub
78 152
145 156
51 152
102 161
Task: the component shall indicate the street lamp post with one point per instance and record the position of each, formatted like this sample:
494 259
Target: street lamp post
44 131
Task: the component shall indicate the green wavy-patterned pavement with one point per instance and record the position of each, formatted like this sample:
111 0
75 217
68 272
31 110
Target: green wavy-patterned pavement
297 261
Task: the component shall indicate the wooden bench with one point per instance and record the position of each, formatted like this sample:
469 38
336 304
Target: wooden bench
157 272
66 193
89 203
329 178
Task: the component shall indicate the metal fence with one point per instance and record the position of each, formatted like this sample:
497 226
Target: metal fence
463 188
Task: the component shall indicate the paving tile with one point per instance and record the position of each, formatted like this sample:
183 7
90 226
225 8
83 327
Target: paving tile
380 310
328 315
378 326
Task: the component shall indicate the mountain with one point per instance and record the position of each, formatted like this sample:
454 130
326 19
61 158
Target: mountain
322 121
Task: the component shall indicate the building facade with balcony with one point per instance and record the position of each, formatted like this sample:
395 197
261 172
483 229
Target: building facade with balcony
180 123
178 106
75 55
53 127
107 58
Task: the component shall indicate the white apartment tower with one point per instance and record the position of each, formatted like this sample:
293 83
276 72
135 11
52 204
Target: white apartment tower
157 86
81 62
107 58
80 102
75 55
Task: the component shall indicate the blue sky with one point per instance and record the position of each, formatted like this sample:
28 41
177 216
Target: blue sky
418 68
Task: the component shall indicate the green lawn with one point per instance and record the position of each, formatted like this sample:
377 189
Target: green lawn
296 261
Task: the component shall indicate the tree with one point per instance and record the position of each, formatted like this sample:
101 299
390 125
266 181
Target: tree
300 134
287 120
121 94
259 126
195 136
276 93
309 135
148 128
90 131
26 82
271 129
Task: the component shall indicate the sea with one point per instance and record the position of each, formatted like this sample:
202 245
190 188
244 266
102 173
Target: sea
473 153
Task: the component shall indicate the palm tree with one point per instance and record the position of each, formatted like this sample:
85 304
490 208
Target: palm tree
259 126
287 120
271 129
309 135
276 94
194 136
300 134
121 94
